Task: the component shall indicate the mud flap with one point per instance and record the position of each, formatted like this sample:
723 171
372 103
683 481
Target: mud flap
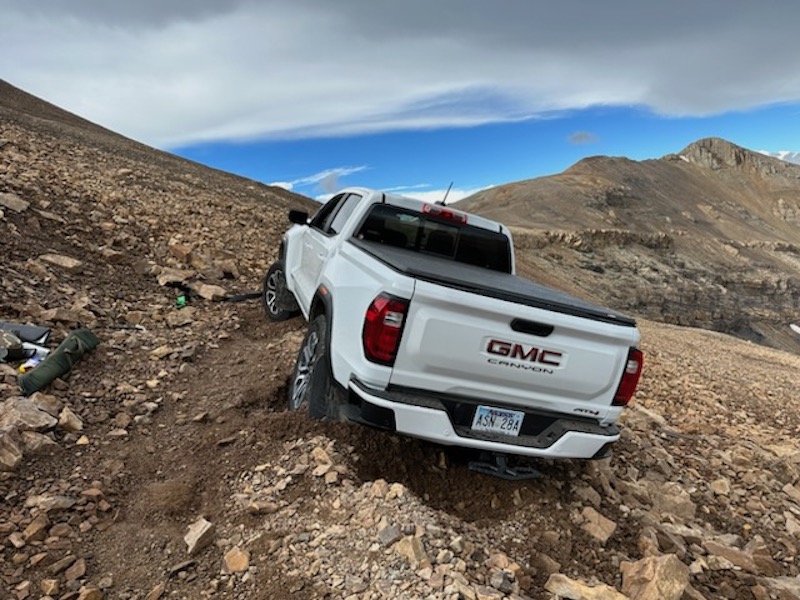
605 452
370 415
284 299
497 465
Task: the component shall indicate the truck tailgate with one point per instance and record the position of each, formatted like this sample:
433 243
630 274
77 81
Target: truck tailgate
502 353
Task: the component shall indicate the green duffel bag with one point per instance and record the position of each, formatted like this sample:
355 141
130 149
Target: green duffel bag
59 361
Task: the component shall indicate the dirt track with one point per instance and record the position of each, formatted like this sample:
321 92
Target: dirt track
200 452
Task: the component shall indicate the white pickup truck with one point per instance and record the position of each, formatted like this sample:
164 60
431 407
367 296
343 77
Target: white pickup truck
417 324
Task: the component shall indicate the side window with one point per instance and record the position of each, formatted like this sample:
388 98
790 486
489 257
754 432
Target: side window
388 225
346 209
326 213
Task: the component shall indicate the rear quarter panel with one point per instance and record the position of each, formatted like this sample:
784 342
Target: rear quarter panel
355 279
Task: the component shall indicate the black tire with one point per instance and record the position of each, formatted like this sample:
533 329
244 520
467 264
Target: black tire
274 284
312 384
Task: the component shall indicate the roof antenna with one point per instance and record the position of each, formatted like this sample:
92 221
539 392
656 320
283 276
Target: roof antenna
445 194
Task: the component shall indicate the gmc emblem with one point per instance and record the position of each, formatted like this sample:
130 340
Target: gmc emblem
522 352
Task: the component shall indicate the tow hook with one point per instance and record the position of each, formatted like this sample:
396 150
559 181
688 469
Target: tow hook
497 465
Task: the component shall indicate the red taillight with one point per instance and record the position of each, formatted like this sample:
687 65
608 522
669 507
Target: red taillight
383 326
444 213
630 377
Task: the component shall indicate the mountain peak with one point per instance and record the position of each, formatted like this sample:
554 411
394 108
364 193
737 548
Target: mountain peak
716 154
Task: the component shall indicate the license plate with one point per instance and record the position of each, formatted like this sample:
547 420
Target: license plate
497 420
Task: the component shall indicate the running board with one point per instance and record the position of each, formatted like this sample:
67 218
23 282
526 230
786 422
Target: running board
497 465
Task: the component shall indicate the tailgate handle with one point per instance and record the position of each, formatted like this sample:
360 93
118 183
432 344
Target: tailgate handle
531 327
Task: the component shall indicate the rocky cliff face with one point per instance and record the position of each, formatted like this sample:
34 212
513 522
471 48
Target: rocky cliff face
706 237
716 154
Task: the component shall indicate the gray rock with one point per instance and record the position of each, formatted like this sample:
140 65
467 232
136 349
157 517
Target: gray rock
69 421
655 578
23 414
690 535
10 450
237 560
792 492
596 525
13 202
735 556
65 262
783 585
157 592
503 581
671 498
168 276
483 592
208 291
411 548
564 587
546 564
589 494
37 529
76 570
389 535
69 315
199 536
48 502
49 404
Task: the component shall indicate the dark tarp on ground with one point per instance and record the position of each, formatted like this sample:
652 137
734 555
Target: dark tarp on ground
27 333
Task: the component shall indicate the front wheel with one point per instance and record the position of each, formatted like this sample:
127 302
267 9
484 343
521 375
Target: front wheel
312 383
274 289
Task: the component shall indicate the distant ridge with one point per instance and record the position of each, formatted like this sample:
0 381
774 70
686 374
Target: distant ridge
17 102
716 153
21 107
708 236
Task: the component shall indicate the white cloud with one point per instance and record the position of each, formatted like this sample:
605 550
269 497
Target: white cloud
454 195
184 71
418 191
327 180
787 155
404 189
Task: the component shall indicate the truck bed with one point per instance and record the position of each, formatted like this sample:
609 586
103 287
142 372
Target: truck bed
485 282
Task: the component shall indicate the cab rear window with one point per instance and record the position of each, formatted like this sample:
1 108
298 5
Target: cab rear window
417 232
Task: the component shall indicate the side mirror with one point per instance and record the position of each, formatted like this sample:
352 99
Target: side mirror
300 217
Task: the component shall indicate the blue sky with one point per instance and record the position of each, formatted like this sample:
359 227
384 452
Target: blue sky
412 95
422 162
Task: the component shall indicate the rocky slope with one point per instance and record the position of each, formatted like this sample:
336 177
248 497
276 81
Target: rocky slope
706 238
164 465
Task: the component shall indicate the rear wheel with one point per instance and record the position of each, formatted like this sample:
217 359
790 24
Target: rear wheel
312 383
274 288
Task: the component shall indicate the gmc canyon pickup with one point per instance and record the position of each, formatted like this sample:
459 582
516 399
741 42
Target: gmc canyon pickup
418 324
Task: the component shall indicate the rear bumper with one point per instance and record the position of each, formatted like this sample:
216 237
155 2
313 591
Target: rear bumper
446 421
